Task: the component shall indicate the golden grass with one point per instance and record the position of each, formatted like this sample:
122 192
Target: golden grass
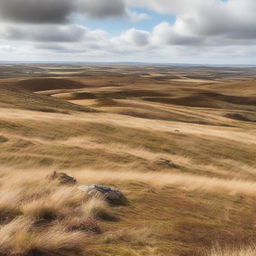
48 211
145 115
40 210
247 251
142 237
184 181
99 209
41 217
17 238
69 195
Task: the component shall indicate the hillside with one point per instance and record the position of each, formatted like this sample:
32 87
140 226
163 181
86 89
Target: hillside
14 96
43 84
182 149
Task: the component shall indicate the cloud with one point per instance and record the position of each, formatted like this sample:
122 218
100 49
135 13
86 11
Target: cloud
134 37
136 16
168 34
165 6
46 33
36 11
50 33
101 8
200 27
7 48
59 11
232 19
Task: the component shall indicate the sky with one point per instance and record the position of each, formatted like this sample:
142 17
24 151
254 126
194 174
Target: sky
153 31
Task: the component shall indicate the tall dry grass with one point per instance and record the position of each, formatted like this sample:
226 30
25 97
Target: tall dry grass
190 182
98 209
20 238
183 181
247 251
144 237
40 217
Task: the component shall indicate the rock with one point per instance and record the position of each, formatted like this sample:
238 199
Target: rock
166 163
62 178
112 195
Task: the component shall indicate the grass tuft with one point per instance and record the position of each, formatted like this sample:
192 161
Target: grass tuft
246 251
40 211
99 209
8 214
141 237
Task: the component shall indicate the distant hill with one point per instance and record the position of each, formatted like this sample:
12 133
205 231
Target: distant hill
43 84
18 97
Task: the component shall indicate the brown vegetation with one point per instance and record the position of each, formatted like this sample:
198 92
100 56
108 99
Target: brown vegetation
39 217
248 251
179 142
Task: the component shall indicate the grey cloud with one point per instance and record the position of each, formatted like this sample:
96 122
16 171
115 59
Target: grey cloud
185 40
44 33
36 11
58 11
101 8
136 37
58 48
233 19
140 39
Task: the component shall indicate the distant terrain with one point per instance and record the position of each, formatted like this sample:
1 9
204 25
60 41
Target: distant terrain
179 142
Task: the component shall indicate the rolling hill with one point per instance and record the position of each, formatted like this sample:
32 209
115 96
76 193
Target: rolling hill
180 143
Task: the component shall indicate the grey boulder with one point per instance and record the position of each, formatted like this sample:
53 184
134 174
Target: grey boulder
112 195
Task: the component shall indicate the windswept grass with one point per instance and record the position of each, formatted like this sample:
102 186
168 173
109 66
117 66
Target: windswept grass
40 210
247 251
177 142
98 209
18 238
141 237
40 217
183 181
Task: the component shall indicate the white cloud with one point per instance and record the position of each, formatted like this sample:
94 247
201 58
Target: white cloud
168 34
233 18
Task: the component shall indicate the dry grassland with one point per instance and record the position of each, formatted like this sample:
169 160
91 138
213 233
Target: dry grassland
180 143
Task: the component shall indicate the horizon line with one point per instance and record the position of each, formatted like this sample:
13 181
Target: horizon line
132 63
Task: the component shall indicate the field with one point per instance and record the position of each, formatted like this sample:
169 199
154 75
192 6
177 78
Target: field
179 142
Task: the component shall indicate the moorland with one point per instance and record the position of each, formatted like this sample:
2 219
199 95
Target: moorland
178 141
